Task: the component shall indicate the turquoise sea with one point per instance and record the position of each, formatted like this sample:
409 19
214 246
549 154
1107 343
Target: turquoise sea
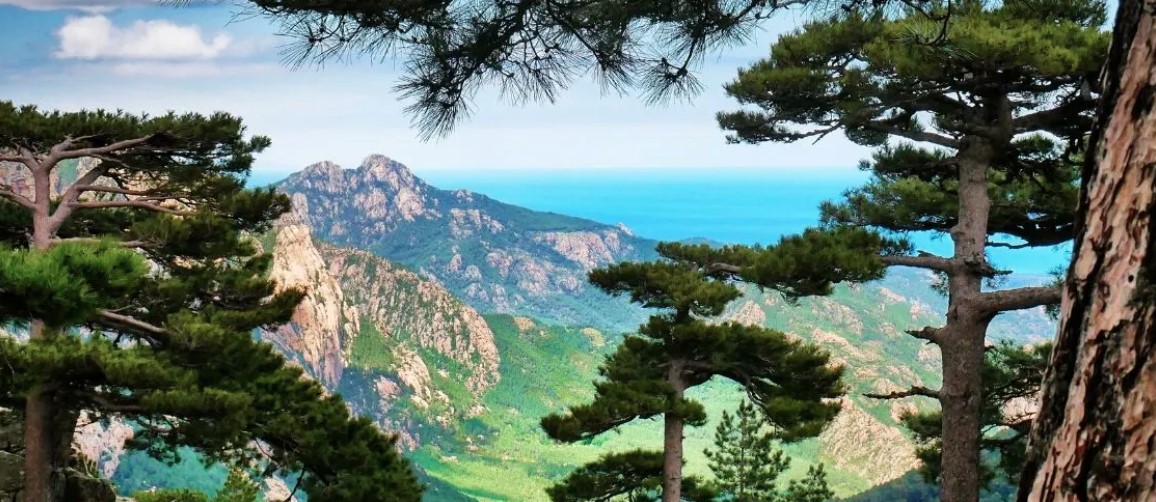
726 205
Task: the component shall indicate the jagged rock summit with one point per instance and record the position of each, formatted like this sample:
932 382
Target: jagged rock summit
495 256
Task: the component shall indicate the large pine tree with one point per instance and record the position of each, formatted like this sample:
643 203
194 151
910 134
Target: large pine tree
1094 437
975 134
677 349
128 255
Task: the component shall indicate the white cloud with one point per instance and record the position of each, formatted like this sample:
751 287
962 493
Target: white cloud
90 6
96 37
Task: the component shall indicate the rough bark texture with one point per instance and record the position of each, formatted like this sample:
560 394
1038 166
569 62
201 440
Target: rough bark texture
961 341
1095 436
38 444
672 439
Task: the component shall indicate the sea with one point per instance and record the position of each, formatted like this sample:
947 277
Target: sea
746 206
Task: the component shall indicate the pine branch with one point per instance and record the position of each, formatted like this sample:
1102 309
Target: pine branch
927 333
1020 298
925 261
1043 118
61 151
131 322
136 244
106 405
716 268
924 136
913 391
21 200
1008 245
116 190
73 194
132 204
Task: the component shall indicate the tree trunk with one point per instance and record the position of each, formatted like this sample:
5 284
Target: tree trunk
961 341
40 457
1095 436
960 402
672 439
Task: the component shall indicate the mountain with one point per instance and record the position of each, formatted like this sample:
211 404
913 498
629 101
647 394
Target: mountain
458 321
496 257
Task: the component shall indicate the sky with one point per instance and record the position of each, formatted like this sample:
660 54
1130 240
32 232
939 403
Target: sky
142 56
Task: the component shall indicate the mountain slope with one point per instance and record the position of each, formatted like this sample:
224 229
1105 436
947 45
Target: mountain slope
496 257
459 321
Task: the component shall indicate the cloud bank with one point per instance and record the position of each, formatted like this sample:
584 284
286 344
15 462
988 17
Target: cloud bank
95 37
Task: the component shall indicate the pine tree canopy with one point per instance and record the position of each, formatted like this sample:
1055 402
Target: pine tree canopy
788 380
129 253
630 476
529 49
1015 78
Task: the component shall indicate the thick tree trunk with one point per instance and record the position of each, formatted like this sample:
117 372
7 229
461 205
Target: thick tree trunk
961 341
672 439
40 457
1095 436
960 401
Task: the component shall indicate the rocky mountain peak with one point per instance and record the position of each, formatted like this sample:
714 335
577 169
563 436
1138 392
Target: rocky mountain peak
381 168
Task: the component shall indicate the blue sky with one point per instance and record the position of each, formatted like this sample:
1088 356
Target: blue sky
139 56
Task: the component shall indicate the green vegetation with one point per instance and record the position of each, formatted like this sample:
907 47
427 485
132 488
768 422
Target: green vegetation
237 488
648 375
1012 375
150 250
975 138
744 460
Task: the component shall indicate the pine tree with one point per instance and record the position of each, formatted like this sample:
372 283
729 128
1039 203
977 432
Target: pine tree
745 462
677 349
1011 381
530 49
631 476
999 105
1094 434
141 285
812 488
239 488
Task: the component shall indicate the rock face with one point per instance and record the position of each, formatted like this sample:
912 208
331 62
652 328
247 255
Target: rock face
497 257
363 313
403 305
314 338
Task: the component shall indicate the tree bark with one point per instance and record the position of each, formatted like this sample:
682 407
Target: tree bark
1095 436
672 438
41 455
961 340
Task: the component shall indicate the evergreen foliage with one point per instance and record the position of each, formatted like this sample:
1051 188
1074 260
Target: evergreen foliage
747 465
529 49
977 138
812 488
1012 375
788 381
141 286
745 462
631 476
238 488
